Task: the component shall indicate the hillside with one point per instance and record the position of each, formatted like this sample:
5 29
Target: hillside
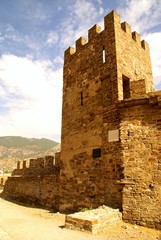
13 148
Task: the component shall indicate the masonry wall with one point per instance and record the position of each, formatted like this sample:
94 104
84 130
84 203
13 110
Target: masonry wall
133 62
37 167
90 97
35 182
140 137
94 76
37 190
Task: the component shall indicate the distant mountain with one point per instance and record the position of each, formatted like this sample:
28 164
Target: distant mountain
13 148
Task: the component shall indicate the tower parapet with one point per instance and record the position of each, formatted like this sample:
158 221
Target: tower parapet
126 27
111 20
93 32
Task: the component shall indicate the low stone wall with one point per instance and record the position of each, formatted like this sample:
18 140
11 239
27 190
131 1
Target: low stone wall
37 190
3 179
35 182
93 221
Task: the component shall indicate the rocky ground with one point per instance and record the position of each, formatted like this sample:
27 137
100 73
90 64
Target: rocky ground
26 223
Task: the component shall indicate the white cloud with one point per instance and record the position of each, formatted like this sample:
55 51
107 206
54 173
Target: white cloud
12 35
83 14
58 60
99 1
83 10
9 28
33 97
101 11
52 38
154 40
35 12
1 39
2 92
143 14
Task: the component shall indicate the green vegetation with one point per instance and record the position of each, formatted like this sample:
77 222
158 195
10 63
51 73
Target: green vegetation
21 142
84 209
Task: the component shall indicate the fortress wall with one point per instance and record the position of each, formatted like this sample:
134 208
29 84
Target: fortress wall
37 167
39 191
35 182
141 144
90 187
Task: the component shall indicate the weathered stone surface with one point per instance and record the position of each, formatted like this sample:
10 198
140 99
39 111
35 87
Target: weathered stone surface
108 89
93 221
140 131
36 190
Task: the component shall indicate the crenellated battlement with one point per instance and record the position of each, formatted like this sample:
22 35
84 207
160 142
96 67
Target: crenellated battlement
126 27
93 32
80 42
111 22
136 36
37 166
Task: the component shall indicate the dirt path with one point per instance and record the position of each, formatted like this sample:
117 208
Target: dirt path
26 223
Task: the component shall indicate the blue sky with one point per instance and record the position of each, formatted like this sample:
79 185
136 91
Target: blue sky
33 37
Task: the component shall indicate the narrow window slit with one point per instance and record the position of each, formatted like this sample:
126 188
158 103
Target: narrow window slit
81 96
104 55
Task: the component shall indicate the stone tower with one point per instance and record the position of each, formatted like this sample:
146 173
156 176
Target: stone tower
113 65
111 128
